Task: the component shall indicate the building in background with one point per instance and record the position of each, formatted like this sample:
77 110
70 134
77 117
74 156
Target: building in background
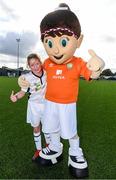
5 71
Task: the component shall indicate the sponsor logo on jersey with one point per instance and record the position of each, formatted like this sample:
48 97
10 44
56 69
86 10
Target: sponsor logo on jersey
58 72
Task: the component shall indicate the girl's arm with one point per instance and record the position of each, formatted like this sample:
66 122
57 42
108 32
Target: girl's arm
16 96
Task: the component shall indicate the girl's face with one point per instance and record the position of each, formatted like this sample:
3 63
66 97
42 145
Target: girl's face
35 65
60 49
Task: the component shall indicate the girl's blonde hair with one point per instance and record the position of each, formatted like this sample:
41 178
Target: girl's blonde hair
33 56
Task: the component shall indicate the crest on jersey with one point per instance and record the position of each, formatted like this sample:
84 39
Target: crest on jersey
69 65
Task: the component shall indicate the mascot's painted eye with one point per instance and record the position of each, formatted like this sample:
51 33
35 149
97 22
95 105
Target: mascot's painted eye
50 43
64 42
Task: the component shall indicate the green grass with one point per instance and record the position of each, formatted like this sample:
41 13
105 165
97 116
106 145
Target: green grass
96 128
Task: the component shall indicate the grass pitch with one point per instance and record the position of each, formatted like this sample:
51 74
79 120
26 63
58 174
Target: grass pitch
96 128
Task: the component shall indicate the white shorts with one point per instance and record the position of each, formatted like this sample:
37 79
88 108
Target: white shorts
35 113
60 117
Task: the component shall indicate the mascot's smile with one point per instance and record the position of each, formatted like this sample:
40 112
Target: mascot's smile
58 57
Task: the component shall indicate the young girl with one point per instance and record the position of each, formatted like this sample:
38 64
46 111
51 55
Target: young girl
37 85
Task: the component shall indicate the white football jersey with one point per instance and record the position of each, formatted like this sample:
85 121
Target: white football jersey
37 86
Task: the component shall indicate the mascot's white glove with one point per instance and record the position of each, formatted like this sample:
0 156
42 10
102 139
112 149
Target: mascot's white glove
23 83
95 64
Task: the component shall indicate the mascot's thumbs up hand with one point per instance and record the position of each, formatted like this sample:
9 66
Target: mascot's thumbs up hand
95 64
23 83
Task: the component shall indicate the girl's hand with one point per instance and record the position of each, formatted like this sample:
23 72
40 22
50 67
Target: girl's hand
13 97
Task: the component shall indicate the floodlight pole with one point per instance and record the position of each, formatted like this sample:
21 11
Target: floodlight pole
18 41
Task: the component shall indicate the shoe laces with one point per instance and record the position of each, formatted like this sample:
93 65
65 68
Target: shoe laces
46 150
80 159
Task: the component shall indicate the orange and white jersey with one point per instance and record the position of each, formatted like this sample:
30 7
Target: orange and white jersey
63 79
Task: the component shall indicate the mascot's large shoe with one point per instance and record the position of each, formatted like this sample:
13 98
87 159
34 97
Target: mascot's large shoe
78 166
48 157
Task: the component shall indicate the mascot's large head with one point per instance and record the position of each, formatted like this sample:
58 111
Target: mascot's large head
61 34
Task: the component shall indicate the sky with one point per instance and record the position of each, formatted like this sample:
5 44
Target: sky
20 19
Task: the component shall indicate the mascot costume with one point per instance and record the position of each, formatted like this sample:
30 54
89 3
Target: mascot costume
61 36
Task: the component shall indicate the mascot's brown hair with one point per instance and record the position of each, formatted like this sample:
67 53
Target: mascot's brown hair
60 22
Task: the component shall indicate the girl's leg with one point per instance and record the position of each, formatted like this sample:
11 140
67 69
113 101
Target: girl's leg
37 140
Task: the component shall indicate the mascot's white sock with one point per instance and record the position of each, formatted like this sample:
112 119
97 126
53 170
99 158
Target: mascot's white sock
47 138
55 142
74 149
77 163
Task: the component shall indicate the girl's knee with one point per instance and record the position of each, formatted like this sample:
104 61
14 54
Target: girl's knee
36 129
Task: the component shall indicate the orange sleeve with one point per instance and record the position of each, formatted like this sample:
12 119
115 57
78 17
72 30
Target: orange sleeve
45 64
85 72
